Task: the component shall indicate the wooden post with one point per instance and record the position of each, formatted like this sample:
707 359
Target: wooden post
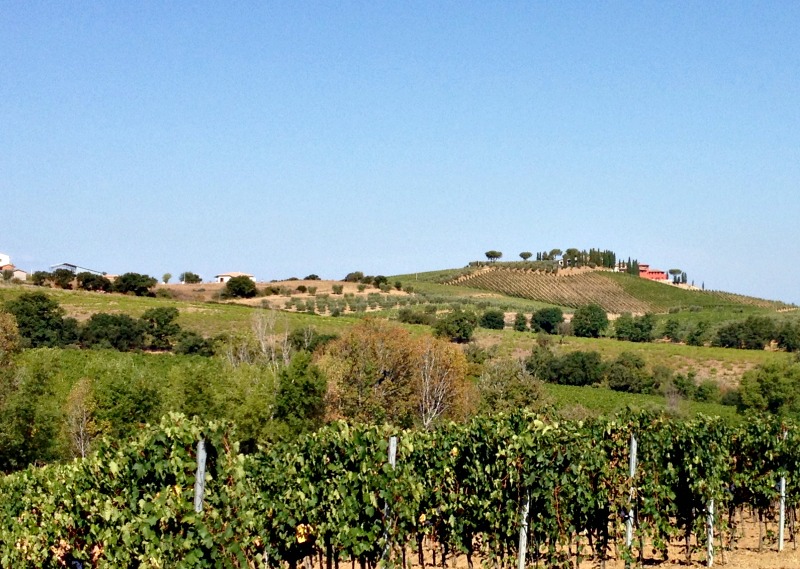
200 477
710 531
523 533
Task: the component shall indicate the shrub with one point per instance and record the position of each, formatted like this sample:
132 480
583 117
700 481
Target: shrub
578 368
493 320
189 278
192 343
135 283
41 322
114 331
337 289
457 326
520 322
547 320
589 321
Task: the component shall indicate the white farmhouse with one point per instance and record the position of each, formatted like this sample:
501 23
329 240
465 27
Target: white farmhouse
4 259
225 277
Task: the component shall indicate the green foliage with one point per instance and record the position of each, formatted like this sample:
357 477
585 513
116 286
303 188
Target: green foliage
63 278
166 277
160 327
547 320
754 333
337 288
493 255
113 331
493 319
457 326
240 287
773 388
788 336
189 277
135 283
634 328
411 316
192 343
300 400
628 373
92 282
506 385
41 321
520 322
577 368
40 278
589 321
309 339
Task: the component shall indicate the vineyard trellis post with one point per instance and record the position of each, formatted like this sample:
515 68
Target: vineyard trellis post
782 513
710 531
782 510
200 476
632 473
523 533
393 464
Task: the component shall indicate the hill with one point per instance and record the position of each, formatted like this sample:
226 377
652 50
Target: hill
615 292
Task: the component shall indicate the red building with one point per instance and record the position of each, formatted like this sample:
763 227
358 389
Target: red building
652 274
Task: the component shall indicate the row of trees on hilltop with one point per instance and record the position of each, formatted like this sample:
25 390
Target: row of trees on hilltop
572 257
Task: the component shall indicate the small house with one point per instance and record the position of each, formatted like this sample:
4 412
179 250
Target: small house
225 277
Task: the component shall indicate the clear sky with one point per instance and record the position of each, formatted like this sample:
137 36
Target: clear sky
289 138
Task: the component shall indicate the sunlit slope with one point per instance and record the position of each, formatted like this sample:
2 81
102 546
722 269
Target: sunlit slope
615 292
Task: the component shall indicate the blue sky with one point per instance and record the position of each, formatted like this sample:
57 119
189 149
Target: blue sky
289 138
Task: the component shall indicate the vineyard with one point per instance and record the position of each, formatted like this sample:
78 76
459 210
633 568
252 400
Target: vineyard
615 292
571 290
464 491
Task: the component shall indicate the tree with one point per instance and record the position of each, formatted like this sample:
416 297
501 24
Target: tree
506 386
92 282
578 368
8 274
634 329
135 283
40 278
773 387
547 320
555 253
113 331
520 322
493 319
10 341
627 373
300 399
354 277
458 326
440 384
63 278
676 274
240 287
165 278
189 278
160 327
370 372
672 330
789 336
493 255
589 321
41 321
526 255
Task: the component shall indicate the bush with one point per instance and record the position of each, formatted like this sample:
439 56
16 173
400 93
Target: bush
41 322
192 343
189 278
135 283
634 329
589 321
240 287
520 322
578 368
547 320
493 320
409 316
457 326
628 374
337 288
113 331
